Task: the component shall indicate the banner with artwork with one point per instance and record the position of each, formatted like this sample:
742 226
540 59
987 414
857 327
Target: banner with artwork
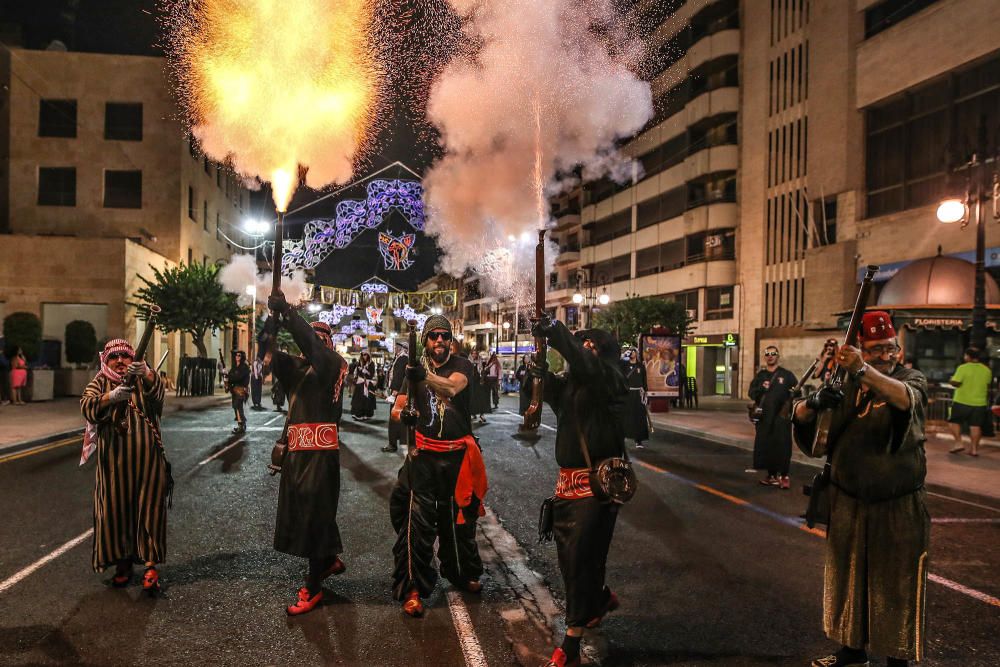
660 355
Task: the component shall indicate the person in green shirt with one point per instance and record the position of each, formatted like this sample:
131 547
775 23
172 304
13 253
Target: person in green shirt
969 405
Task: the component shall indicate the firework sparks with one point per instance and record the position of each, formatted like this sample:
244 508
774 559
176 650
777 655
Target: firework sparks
277 87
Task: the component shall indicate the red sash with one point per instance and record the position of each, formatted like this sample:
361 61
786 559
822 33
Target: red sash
312 437
432 445
472 479
573 484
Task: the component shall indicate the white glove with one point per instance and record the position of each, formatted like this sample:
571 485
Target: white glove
119 394
138 368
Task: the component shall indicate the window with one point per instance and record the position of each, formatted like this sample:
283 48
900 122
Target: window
191 209
218 227
694 247
719 303
472 314
611 270
886 14
190 256
825 217
204 215
57 186
714 188
206 162
662 207
647 261
57 118
572 316
672 255
123 121
910 139
611 227
720 244
689 299
122 189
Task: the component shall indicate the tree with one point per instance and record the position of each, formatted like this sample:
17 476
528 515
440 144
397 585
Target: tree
81 342
23 330
192 301
639 314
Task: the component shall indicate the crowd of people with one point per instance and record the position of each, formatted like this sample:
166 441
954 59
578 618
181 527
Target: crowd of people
878 526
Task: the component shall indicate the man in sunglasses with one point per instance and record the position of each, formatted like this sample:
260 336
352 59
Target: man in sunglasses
771 391
876 548
306 524
132 481
439 491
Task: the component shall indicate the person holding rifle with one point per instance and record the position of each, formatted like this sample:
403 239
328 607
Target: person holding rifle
306 524
588 402
440 488
238 383
877 541
122 406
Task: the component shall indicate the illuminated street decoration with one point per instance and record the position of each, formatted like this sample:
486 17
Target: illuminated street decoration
407 313
374 315
322 237
335 314
396 251
374 286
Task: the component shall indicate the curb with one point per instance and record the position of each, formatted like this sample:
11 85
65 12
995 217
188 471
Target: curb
802 459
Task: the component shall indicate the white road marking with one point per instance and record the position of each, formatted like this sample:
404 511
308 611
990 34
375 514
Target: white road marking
11 581
219 429
222 451
519 416
473 652
971 592
964 502
276 418
949 519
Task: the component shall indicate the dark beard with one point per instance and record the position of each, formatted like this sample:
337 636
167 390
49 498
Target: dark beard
439 357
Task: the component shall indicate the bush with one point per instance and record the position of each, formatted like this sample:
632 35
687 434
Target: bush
23 330
81 342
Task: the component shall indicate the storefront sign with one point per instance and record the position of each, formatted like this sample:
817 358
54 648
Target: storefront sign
726 339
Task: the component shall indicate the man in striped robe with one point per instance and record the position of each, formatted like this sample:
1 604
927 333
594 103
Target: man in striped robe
133 479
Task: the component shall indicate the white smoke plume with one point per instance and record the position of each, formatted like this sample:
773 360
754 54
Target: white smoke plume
541 83
241 272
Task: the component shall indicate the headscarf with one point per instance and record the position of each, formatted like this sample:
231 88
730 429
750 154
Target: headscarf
115 346
323 328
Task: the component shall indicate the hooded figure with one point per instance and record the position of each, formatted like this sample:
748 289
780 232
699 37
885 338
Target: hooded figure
588 401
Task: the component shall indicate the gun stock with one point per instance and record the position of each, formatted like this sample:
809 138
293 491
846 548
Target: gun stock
821 441
533 415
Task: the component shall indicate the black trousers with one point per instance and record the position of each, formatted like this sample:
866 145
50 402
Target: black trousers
583 529
256 388
422 509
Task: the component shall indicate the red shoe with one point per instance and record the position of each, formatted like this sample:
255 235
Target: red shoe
558 659
305 603
337 567
472 586
123 576
412 606
785 483
151 581
770 481
609 607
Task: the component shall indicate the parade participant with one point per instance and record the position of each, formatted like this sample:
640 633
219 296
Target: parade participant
238 382
440 487
479 395
636 420
771 391
876 549
256 383
309 494
524 387
827 364
588 403
133 480
396 377
363 400
491 375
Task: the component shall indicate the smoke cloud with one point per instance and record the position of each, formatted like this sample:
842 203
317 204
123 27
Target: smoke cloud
539 95
241 272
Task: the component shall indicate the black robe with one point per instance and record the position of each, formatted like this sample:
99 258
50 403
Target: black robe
635 419
363 399
306 523
396 376
772 444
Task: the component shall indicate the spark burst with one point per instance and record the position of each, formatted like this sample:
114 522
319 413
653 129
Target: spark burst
276 87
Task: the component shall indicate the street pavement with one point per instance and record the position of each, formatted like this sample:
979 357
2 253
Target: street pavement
712 568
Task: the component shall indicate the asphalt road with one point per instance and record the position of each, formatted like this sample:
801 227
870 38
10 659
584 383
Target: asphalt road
712 568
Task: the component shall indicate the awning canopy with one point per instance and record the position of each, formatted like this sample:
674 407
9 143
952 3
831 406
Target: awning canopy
957 318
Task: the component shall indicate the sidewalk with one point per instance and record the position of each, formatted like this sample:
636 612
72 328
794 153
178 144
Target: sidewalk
60 418
725 421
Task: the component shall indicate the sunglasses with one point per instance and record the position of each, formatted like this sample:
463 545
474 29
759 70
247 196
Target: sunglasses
118 355
439 335
770 354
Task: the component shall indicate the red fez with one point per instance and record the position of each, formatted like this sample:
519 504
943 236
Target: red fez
876 325
321 327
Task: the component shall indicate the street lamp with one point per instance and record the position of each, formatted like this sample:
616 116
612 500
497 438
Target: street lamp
591 295
251 291
955 210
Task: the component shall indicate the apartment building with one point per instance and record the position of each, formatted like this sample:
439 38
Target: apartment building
672 230
99 181
855 117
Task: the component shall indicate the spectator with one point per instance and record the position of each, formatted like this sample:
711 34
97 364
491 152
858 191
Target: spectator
18 376
4 379
771 390
523 388
827 365
969 406
491 375
636 420
168 384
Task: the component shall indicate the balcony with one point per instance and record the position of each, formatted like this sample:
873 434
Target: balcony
566 221
568 254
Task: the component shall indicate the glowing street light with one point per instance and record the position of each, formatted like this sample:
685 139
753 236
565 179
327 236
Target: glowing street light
255 226
315 307
951 210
